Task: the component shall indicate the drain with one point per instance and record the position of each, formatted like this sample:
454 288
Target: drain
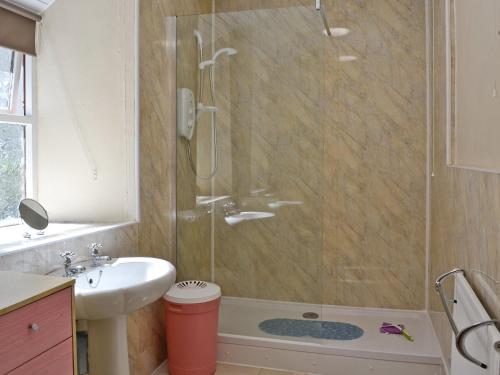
310 315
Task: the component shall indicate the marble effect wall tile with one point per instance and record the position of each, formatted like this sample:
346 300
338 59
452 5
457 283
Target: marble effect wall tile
157 128
44 259
241 5
146 339
375 150
157 230
297 124
465 209
183 7
163 162
270 149
193 221
288 258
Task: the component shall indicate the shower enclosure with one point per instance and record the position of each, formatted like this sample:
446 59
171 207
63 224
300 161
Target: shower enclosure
301 191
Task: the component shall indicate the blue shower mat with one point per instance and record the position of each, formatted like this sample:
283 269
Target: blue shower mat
317 329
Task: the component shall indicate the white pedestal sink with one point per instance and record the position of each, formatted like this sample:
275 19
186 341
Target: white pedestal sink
105 295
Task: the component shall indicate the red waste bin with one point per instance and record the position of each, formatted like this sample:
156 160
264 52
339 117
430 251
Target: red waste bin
192 317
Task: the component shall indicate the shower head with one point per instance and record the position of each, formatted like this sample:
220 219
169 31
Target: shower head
222 51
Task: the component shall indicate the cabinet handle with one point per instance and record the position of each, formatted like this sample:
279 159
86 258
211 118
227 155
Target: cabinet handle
34 327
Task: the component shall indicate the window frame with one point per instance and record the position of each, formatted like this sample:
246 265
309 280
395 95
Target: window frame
28 120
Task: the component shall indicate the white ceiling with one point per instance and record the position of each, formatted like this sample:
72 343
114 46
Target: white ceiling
35 6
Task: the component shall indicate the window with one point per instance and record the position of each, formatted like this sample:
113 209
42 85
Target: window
15 133
12 92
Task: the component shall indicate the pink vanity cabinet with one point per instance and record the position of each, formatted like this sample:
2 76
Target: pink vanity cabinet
37 326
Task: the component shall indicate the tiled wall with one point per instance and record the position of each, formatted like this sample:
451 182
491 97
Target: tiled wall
375 157
157 230
360 170
193 222
117 242
160 168
465 209
346 139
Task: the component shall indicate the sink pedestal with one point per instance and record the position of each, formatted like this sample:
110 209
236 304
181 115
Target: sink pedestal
105 295
108 350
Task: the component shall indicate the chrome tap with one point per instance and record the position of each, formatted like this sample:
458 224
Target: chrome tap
97 259
69 269
230 208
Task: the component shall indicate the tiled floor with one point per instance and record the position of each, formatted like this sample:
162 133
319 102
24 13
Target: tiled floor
225 369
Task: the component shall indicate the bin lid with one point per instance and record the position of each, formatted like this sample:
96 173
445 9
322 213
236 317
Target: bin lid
193 291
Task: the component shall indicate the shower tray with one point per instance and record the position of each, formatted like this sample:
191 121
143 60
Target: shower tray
241 340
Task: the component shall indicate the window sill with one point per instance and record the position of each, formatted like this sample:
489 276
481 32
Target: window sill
12 240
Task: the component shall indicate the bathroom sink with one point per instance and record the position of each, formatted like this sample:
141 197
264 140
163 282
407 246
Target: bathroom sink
104 295
121 287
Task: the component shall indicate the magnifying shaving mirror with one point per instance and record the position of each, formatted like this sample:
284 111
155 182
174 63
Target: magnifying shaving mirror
33 214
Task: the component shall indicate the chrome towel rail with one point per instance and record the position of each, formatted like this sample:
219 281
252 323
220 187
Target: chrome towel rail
461 334
459 342
444 299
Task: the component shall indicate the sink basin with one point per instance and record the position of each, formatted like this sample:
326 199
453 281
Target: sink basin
121 287
105 295
242 216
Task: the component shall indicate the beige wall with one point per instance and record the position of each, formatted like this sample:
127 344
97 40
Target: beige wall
372 218
465 209
160 168
347 139
156 234
193 222
86 110
374 247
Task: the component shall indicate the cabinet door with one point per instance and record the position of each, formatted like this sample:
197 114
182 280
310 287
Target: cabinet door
55 361
33 329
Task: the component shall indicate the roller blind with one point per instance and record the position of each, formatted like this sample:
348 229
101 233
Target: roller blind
17 28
